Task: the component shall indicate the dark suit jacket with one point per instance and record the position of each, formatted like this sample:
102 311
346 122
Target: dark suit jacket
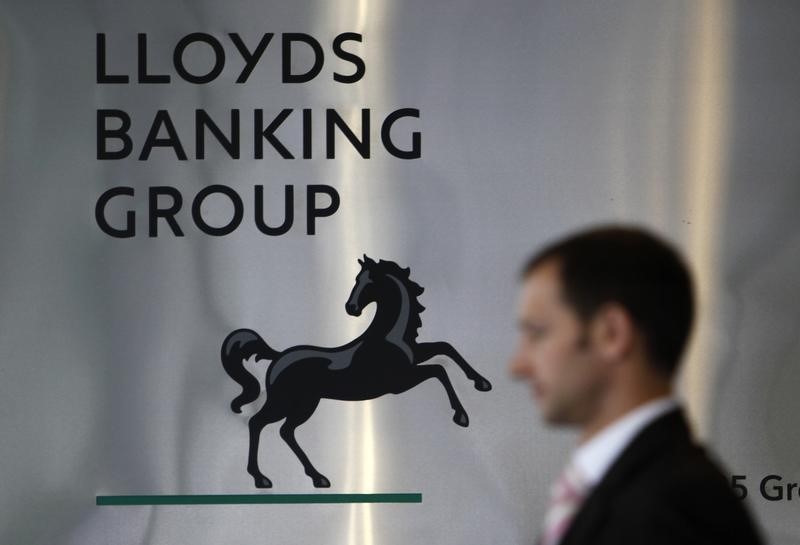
663 489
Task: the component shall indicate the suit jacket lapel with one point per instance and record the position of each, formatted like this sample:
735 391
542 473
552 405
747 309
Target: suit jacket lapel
667 430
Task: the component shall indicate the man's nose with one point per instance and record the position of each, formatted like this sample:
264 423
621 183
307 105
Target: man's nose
520 366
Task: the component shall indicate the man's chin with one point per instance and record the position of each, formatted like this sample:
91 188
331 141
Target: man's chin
551 415
552 422
554 418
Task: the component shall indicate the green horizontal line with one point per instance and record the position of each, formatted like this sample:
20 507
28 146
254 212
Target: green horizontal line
249 499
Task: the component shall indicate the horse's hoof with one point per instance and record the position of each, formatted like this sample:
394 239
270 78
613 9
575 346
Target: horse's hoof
461 419
483 385
263 482
321 482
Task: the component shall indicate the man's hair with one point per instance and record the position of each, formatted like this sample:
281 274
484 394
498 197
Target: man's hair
635 269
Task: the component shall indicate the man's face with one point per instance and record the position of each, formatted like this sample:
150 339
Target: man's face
555 353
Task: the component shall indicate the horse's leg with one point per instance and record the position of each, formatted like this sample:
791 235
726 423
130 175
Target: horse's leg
293 420
422 373
425 351
266 415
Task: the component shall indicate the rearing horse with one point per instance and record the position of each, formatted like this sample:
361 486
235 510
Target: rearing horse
382 360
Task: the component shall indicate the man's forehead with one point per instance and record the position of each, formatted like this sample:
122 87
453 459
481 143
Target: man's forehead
542 287
546 277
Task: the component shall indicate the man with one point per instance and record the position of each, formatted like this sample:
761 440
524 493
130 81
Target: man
605 316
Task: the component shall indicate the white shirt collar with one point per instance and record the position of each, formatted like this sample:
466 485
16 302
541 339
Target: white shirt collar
593 458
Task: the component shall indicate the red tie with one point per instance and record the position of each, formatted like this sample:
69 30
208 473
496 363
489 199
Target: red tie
566 496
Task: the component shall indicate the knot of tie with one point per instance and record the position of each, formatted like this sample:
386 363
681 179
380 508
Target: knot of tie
566 496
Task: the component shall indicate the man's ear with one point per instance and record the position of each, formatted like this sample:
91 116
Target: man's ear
613 332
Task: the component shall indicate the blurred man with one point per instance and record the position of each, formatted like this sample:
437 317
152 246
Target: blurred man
604 318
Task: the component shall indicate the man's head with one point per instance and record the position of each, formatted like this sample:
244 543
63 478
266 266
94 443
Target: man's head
604 313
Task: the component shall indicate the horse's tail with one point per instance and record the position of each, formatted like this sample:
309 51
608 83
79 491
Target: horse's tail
238 346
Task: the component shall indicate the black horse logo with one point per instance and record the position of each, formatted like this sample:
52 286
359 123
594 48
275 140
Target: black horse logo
384 359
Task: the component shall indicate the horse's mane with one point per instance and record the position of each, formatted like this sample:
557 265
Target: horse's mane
414 291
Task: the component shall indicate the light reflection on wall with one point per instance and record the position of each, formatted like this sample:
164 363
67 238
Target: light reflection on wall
356 236
708 96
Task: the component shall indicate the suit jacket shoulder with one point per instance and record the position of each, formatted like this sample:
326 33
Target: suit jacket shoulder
663 489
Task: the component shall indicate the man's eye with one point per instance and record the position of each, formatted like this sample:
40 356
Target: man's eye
535 332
